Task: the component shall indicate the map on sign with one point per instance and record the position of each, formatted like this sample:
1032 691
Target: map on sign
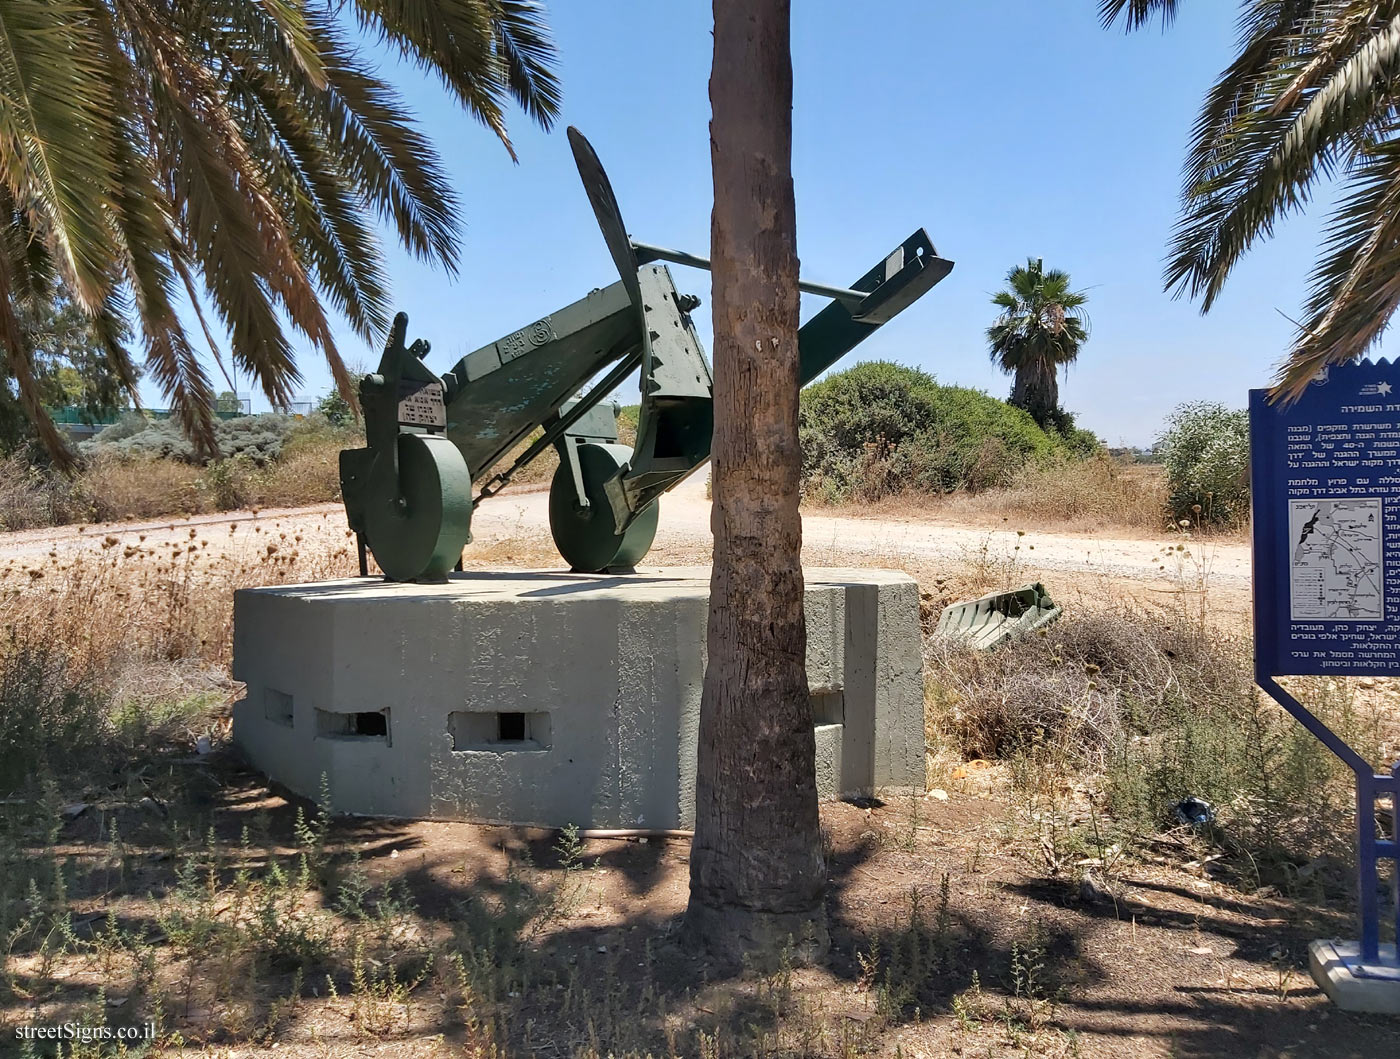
1325 499
1335 568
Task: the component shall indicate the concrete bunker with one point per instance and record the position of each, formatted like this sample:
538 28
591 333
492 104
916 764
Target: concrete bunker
550 698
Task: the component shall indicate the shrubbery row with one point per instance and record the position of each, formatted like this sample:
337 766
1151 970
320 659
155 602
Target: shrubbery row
260 438
881 428
133 470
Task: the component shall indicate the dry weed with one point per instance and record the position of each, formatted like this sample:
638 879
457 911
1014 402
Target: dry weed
120 488
1087 680
1092 494
1088 495
128 645
1145 707
29 498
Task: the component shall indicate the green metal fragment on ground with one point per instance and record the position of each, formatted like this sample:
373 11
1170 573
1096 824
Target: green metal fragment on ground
1002 616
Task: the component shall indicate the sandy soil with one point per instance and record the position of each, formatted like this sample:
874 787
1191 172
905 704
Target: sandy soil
522 516
1163 958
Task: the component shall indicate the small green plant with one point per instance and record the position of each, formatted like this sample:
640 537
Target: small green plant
904 981
569 848
967 1005
311 835
230 482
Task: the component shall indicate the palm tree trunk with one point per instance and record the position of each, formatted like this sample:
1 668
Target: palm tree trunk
1037 390
756 871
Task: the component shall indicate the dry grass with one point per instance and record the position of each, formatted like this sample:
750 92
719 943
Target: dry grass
308 472
113 488
29 498
119 489
541 470
113 664
538 472
1140 706
93 642
1091 495
1094 494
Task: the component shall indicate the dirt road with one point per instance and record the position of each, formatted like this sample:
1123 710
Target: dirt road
521 517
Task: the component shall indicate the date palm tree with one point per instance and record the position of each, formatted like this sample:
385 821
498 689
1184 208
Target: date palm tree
757 876
1040 329
1312 95
238 153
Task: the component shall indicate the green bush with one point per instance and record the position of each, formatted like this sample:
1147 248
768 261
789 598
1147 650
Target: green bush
1205 448
879 428
1078 442
628 416
259 437
229 483
335 409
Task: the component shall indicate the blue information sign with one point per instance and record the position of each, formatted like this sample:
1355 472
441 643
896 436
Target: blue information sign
1325 477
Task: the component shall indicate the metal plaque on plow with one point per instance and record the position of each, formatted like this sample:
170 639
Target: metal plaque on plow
421 404
1326 499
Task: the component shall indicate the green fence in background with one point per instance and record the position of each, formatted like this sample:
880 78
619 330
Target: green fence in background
70 415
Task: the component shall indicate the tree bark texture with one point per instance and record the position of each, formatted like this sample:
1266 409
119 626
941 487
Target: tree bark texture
1037 390
757 876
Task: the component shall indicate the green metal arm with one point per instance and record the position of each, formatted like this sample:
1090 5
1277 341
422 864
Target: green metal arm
898 281
677 418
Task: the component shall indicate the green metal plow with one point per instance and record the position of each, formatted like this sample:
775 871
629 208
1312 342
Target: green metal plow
430 437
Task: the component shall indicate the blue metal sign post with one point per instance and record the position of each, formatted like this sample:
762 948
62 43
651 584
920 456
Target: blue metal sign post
1325 482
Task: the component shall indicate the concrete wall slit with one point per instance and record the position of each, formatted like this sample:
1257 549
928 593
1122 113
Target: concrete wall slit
499 732
277 706
828 706
367 725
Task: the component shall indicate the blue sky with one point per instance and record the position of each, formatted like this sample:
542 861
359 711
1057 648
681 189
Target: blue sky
1006 128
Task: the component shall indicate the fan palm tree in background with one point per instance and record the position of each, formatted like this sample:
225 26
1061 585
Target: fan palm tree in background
1040 329
237 152
1312 95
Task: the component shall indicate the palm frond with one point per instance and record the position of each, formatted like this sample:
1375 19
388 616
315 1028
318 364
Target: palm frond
223 238
182 270
109 324
226 223
1266 37
390 162
144 224
56 132
242 150
1136 13
527 50
1356 285
1264 164
312 194
294 31
19 358
484 51
33 274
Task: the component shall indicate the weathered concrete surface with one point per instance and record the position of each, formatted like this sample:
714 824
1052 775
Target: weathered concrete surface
1354 992
550 698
